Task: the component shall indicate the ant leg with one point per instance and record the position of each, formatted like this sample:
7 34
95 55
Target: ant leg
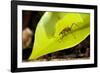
73 35
61 37
73 24
71 28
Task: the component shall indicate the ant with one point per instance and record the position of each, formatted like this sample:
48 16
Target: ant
66 30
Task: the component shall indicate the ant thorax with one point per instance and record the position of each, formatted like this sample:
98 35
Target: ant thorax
65 31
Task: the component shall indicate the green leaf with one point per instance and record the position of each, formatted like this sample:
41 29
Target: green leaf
58 31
